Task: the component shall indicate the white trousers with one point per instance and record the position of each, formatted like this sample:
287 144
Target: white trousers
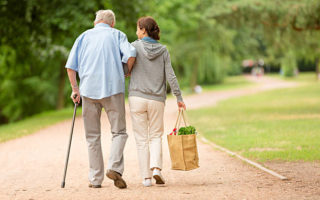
147 123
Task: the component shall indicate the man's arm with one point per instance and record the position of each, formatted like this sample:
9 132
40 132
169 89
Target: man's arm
73 81
72 68
128 51
130 63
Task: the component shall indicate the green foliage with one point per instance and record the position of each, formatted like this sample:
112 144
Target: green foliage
35 36
289 64
197 43
188 130
272 28
127 13
207 40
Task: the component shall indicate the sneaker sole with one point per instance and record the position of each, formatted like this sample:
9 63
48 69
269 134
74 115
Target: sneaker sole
158 179
94 186
118 181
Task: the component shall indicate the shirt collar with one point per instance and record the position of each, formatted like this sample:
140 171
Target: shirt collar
149 39
102 25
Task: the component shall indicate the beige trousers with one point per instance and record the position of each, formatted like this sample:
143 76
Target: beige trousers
91 111
147 123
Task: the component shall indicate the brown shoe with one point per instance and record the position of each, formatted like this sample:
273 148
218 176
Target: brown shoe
116 177
94 186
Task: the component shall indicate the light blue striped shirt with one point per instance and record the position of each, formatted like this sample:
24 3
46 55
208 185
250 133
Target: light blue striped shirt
97 55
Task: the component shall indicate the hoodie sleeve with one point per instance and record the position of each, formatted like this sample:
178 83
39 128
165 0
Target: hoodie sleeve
171 77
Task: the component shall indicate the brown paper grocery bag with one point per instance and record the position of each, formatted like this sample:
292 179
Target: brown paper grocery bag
183 149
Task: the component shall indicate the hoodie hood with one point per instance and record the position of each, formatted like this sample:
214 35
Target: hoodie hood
152 50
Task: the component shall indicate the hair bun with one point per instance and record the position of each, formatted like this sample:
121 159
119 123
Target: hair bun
150 26
155 28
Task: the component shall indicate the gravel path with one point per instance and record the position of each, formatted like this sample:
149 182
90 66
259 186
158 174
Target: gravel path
32 166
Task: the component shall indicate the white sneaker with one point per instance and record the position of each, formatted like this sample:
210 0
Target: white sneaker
147 182
157 175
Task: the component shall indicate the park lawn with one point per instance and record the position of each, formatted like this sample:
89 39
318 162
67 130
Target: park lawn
229 83
282 124
34 123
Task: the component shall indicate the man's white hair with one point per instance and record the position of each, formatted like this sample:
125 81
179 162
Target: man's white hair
105 16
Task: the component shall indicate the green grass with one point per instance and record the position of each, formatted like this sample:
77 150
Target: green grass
34 123
305 77
282 124
231 82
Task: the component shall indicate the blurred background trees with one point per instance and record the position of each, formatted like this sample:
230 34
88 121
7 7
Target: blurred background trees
208 40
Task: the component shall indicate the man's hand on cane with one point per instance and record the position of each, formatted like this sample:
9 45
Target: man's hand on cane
75 95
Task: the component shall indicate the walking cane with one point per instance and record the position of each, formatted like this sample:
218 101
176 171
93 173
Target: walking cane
70 139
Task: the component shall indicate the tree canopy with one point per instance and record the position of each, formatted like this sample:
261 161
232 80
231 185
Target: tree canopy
207 39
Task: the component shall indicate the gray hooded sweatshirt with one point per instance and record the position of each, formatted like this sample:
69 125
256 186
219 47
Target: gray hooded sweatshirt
151 71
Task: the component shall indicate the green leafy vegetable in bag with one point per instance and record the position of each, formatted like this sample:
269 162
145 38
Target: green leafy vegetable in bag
188 130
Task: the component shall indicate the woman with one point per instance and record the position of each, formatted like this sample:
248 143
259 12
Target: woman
147 95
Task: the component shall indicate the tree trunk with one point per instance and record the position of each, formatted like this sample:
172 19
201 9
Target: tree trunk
3 119
317 69
62 77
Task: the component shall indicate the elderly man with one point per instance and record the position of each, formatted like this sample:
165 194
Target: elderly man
97 55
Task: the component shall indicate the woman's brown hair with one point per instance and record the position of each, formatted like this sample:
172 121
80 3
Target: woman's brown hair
151 27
